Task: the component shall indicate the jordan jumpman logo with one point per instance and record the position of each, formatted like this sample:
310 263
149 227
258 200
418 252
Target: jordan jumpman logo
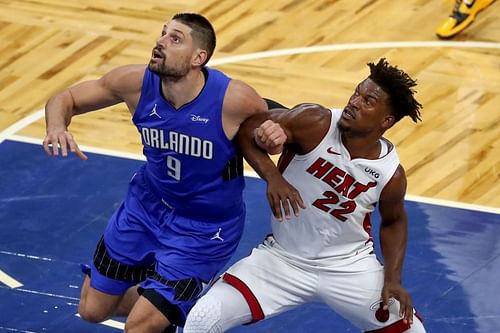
154 112
217 235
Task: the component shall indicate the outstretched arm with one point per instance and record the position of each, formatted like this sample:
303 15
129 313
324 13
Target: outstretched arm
393 239
120 85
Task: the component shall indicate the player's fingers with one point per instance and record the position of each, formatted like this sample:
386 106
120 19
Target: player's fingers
296 202
385 299
271 203
280 139
47 146
258 132
275 130
406 310
264 139
73 146
275 207
276 138
55 147
266 124
300 201
409 316
76 150
286 207
295 205
64 145
261 131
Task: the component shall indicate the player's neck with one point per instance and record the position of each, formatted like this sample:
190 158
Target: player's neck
181 91
362 147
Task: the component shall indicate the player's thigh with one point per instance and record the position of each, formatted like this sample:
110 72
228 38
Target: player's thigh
96 306
271 284
220 309
355 292
145 317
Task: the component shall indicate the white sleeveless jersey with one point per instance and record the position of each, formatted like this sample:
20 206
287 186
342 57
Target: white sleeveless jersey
339 194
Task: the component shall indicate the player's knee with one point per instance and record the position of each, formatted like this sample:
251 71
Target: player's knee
205 316
91 314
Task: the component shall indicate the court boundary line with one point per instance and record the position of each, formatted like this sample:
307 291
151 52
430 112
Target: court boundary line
20 124
8 133
353 46
253 174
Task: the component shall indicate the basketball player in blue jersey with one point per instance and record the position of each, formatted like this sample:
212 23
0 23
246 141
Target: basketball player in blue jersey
183 215
338 167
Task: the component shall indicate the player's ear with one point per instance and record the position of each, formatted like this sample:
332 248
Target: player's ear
199 57
388 121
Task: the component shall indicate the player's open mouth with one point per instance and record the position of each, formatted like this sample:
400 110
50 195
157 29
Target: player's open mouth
348 114
157 54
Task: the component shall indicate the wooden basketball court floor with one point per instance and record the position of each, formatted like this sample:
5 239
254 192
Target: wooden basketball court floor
52 211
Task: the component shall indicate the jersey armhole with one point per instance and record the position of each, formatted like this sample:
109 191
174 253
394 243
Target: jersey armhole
148 76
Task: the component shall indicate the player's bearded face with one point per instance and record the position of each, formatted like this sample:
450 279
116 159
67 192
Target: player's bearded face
164 65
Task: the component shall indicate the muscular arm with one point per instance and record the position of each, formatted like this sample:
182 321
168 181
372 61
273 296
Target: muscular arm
304 126
393 239
122 84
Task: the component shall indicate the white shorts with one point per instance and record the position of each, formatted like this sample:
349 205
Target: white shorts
272 282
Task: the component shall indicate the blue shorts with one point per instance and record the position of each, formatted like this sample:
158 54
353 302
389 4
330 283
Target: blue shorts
174 254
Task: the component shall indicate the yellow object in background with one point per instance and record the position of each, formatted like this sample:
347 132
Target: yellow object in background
463 15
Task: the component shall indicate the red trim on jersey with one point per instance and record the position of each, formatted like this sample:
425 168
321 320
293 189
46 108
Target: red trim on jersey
398 327
253 303
367 226
285 159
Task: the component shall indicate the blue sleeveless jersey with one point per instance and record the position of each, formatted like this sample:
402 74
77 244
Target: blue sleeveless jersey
188 154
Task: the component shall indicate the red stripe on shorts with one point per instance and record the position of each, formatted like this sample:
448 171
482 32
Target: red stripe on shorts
253 303
398 327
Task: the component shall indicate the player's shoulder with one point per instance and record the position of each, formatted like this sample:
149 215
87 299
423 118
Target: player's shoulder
311 107
312 111
395 188
399 175
243 99
241 89
125 78
130 72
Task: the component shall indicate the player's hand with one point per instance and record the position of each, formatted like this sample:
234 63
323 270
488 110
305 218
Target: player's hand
281 196
396 291
61 139
270 137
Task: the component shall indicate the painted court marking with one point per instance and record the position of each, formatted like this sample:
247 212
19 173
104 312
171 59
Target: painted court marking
9 280
11 329
111 323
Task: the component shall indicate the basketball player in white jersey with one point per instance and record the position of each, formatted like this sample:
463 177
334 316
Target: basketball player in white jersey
337 167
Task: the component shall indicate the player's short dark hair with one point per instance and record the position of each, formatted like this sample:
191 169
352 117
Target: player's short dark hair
203 32
398 85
